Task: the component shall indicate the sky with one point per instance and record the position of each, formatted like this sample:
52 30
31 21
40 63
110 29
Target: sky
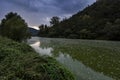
37 12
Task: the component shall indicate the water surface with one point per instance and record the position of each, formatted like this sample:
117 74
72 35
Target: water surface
50 47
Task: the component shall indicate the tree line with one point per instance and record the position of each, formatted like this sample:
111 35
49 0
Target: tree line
101 20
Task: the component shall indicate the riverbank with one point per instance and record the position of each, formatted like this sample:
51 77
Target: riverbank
18 61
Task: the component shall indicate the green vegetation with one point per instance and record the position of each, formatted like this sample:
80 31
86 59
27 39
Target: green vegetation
14 27
49 31
101 56
101 20
54 20
21 62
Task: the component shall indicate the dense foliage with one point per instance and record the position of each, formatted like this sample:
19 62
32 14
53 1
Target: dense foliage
20 62
101 20
14 27
49 31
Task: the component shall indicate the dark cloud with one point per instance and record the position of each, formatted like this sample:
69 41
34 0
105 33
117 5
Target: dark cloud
69 6
36 12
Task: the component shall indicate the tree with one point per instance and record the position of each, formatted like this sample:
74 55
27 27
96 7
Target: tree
14 27
43 30
101 20
113 30
54 20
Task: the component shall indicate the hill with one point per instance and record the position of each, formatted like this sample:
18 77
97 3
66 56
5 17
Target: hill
33 31
21 62
101 20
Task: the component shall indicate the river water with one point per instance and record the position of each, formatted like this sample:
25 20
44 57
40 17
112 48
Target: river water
50 47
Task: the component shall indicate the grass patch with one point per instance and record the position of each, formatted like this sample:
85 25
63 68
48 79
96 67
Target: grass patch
18 61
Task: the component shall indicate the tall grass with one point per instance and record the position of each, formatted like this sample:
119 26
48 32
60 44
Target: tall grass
18 61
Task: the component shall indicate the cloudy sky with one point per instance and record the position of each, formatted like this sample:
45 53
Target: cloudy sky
36 12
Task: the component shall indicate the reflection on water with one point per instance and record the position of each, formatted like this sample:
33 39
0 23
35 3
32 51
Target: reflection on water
80 71
41 51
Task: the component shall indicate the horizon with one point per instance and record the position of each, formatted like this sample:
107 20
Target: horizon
40 12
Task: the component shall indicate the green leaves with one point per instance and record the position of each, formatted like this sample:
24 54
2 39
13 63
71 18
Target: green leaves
14 27
89 23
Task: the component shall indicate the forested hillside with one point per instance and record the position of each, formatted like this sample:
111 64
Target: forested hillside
101 20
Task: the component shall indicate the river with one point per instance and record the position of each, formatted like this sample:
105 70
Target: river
53 47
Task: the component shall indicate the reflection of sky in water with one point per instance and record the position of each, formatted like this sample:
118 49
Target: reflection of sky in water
78 69
41 51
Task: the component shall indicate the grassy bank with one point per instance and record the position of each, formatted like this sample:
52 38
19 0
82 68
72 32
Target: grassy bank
21 62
